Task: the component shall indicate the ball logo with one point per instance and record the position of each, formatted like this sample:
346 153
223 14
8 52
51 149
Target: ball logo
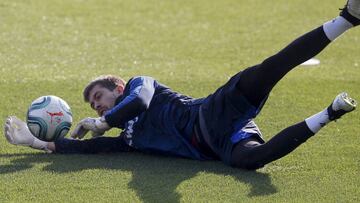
55 116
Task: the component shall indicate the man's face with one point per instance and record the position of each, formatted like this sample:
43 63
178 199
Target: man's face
102 99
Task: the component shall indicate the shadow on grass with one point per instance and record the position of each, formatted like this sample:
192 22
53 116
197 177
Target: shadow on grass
153 176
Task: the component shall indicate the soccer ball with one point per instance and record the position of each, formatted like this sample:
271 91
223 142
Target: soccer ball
49 118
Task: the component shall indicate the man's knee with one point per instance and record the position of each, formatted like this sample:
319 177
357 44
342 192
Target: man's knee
245 156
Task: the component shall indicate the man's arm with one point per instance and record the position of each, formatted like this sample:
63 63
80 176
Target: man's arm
92 146
141 92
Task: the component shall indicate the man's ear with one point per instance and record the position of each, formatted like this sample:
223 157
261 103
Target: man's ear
120 89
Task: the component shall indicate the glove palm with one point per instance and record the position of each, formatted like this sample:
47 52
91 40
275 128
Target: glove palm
17 133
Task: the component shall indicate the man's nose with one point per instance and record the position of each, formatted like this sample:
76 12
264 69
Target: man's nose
97 105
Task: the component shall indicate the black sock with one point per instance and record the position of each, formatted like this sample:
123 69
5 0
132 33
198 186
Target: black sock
256 156
256 82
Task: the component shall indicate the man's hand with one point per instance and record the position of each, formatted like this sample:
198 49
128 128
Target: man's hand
17 133
97 126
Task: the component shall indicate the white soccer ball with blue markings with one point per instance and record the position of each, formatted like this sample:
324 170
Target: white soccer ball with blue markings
49 118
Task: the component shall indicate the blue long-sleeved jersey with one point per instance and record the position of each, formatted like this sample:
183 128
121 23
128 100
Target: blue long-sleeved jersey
156 119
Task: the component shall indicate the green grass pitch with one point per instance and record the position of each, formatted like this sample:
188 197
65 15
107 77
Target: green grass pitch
56 47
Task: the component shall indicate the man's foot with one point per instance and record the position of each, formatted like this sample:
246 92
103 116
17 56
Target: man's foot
341 105
353 7
351 12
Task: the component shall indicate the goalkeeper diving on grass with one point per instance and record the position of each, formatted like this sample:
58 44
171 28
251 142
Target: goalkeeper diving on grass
155 119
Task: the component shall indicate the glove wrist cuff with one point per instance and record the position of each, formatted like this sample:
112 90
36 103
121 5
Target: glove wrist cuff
39 144
102 124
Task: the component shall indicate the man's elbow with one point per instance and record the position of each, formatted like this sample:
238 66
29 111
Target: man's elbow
142 104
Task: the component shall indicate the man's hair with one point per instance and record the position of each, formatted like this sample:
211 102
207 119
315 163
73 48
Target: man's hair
110 82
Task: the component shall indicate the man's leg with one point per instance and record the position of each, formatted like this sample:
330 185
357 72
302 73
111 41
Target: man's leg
250 154
257 81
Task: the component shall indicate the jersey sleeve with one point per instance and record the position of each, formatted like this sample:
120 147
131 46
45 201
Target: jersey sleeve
141 91
91 146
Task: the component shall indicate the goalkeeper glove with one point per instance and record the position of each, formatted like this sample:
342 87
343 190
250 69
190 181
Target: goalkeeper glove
97 126
17 133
